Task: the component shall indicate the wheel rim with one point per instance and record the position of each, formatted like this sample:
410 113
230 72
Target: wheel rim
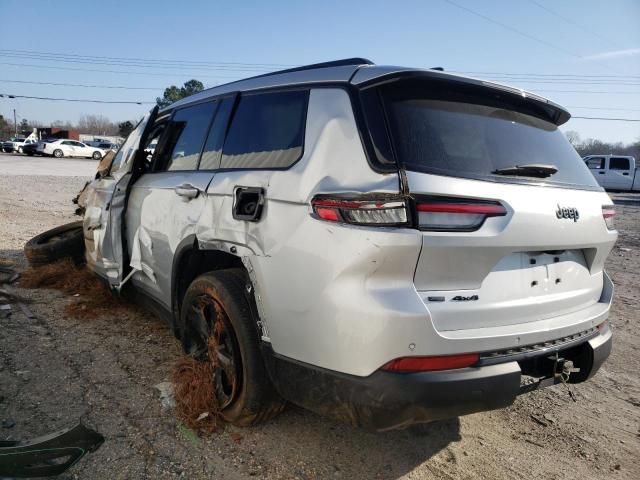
96 156
57 153
210 337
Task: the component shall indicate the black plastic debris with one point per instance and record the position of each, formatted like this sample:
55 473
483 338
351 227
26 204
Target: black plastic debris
48 455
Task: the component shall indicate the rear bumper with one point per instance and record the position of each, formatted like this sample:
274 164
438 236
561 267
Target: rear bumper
386 400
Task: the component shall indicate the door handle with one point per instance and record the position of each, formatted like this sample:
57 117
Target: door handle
601 173
187 191
626 173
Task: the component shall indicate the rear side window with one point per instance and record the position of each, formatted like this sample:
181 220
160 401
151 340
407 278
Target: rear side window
595 163
439 133
267 131
619 163
184 137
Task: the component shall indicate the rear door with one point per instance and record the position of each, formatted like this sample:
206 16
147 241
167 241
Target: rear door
167 201
68 148
501 245
620 173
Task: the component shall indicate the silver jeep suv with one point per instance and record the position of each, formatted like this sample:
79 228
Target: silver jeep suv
384 245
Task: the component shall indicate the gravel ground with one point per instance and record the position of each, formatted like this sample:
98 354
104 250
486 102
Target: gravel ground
54 370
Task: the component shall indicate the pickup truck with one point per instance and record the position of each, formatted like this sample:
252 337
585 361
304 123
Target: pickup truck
16 144
614 172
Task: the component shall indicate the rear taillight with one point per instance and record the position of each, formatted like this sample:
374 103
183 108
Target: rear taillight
442 214
381 211
430 364
609 213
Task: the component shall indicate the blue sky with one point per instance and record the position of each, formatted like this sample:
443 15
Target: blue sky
595 42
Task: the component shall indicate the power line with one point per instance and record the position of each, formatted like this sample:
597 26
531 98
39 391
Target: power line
611 119
575 24
512 29
118 71
519 32
76 99
607 108
544 75
599 92
82 85
131 63
182 62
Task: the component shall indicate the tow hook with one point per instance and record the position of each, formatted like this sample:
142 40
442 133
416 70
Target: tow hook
562 371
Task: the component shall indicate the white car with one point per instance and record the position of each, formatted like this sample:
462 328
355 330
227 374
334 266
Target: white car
69 148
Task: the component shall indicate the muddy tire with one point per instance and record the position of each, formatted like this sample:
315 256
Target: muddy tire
65 241
215 304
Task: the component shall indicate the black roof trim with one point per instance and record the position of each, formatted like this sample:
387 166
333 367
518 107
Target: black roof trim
334 63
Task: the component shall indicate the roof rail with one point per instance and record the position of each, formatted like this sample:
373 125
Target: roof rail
334 63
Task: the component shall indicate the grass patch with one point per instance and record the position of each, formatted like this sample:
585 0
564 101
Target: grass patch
196 404
92 297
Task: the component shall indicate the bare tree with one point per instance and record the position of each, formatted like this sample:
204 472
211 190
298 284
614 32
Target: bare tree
97 125
573 137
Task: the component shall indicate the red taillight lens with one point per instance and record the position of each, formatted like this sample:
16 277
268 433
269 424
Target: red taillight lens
361 212
429 364
467 215
609 213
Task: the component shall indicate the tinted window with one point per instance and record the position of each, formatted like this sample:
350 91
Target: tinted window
619 163
184 137
267 131
596 163
213 147
439 133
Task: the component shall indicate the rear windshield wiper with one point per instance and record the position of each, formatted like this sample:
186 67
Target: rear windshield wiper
531 170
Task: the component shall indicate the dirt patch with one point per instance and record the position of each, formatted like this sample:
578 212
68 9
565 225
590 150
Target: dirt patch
196 402
91 298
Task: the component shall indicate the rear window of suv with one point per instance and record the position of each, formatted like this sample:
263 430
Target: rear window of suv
267 131
435 132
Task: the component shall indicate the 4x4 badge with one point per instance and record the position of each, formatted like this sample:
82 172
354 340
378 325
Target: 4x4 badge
460 298
568 212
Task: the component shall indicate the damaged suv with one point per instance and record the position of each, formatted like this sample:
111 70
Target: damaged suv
384 245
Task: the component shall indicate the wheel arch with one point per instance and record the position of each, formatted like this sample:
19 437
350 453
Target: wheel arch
189 262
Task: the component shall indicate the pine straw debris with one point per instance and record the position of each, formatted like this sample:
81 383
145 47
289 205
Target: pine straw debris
196 403
91 297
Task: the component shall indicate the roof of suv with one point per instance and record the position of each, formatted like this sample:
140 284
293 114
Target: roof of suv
359 72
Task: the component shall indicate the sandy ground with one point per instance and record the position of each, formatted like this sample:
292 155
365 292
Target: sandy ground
54 370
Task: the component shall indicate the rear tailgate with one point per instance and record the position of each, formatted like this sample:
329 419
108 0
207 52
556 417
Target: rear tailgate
511 218
525 266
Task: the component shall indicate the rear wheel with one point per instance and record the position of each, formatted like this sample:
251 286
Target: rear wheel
58 153
215 313
65 241
96 155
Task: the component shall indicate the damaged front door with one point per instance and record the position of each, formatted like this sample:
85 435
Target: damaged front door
105 202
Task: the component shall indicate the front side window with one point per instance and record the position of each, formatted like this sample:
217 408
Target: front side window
267 131
184 137
468 135
619 163
595 163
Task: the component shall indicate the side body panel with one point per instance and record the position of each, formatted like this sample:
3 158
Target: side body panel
157 220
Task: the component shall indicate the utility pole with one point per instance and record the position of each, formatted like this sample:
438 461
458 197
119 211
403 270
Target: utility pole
15 123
